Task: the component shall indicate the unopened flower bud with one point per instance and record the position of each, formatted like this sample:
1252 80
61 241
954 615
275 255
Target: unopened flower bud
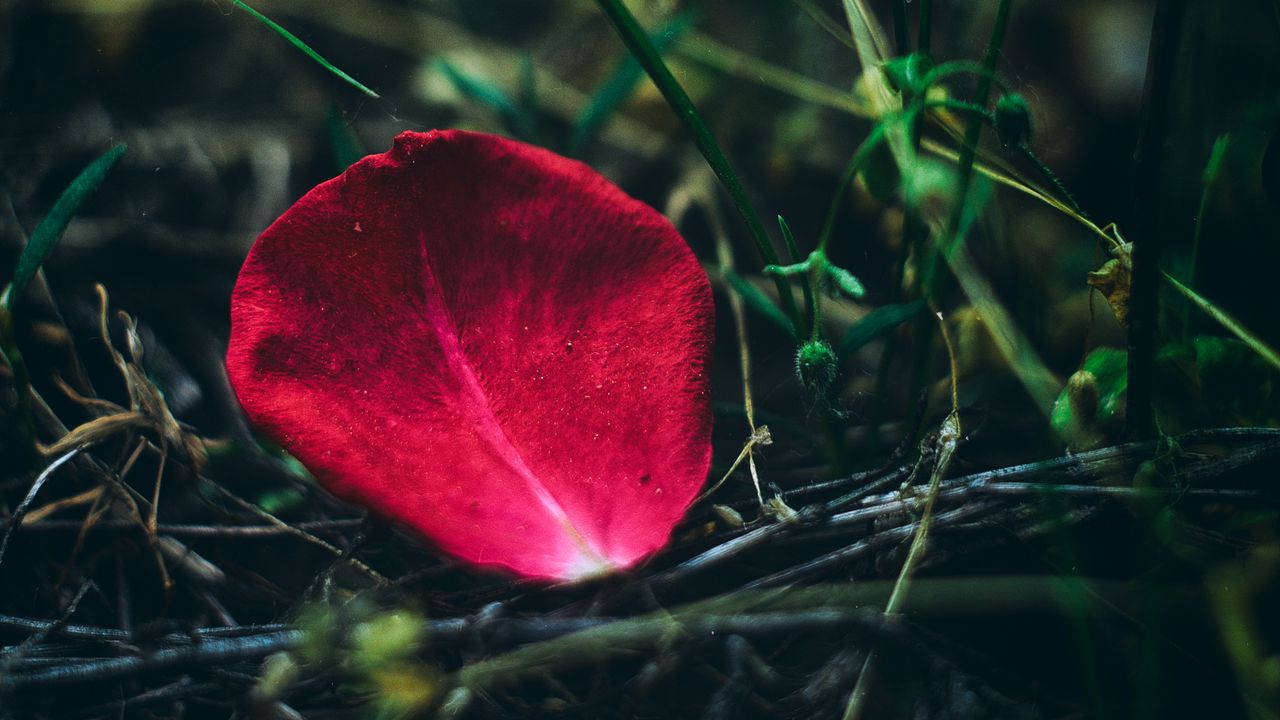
816 366
1013 120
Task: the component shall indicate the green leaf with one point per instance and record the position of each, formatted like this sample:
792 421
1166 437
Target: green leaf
799 268
615 90
305 48
1111 367
1090 407
877 323
793 253
759 302
50 230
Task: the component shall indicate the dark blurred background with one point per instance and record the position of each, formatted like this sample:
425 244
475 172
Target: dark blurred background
227 125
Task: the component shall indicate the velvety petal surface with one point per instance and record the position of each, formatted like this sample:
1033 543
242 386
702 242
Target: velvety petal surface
487 342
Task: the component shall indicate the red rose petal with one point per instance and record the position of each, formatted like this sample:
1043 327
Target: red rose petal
488 342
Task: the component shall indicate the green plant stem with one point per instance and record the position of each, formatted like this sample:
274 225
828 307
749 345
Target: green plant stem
924 35
824 21
806 287
637 41
855 164
1046 174
1223 318
1212 171
305 48
879 134
969 148
1148 241
973 131
50 230
901 33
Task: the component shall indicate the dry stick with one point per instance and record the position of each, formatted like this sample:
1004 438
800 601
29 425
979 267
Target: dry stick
1008 481
948 438
89 633
876 541
211 651
16 519
155 493
15 655
296 532
751 611
153 540
184 530
564 642
34 518
760 435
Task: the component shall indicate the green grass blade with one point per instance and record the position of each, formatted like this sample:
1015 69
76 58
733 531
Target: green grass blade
50 230
621 83
806 288
634 37
1265 351
824 21
877 323
759 302
305 48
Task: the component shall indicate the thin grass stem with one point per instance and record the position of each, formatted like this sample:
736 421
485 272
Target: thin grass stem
637 41
825 21
973 132
901 33
305 48
806 287
924 34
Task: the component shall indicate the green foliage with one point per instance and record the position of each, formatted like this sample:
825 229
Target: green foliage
758 302
806 287
51 228
372 651
1209 381
931 187
827 276
1090 408
1236 386
305 48
876 323
647 55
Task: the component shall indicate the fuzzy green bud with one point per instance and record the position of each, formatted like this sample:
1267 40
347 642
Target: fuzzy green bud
1013 120
816 366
